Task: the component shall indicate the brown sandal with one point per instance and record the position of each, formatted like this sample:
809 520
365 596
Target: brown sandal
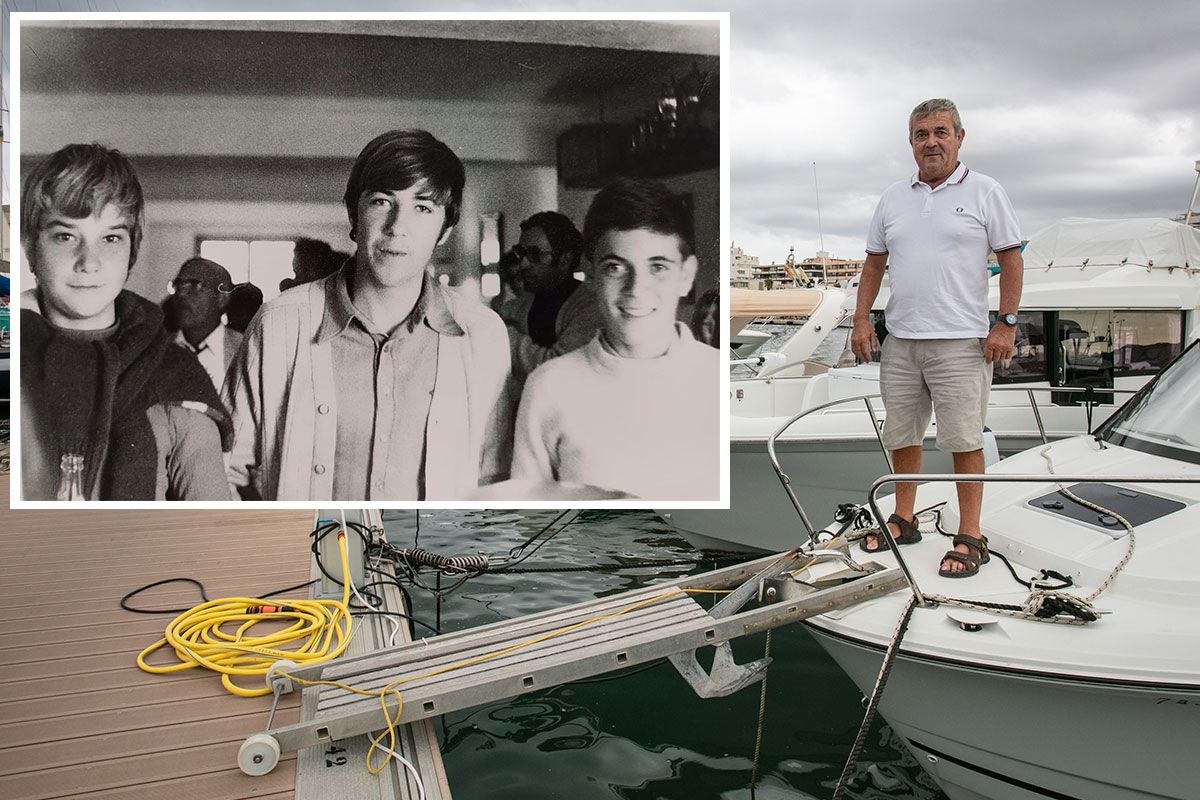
971 561
909 534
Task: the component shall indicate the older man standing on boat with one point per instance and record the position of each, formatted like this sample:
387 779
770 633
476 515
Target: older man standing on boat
934 231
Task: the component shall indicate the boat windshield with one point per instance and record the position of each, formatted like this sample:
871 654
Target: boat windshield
1163 418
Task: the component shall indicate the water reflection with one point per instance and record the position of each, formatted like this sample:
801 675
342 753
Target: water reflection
646 736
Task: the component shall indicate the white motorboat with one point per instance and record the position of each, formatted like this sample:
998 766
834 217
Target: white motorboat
1106 304
998 706
784 327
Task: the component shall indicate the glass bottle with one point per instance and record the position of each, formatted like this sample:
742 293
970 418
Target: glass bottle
70 482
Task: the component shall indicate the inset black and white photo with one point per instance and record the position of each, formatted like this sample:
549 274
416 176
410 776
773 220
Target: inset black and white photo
376 259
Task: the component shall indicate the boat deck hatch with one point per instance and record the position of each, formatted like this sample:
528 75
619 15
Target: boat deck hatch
1136 506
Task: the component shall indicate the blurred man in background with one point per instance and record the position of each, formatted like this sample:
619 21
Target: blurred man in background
200 296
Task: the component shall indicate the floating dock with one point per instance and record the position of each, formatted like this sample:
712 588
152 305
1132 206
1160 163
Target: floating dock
80 718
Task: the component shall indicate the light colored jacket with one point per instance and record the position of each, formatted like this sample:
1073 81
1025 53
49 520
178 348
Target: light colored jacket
281 392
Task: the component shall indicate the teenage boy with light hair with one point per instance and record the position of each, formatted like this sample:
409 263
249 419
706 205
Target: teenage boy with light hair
635 410
111 408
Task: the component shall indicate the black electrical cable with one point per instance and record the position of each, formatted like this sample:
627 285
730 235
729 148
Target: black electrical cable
396 614
392 580
330 526
135 592
1065 581
203 595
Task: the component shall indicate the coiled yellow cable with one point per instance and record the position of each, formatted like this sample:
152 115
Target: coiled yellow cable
321 628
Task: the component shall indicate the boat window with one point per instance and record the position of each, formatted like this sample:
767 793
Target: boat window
833 347
1029 355
1144 342
1162 418
1085 355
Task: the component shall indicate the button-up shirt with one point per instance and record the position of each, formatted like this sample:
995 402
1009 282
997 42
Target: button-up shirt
384 385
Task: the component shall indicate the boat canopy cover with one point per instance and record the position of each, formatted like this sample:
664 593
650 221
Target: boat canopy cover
1077 242
775 303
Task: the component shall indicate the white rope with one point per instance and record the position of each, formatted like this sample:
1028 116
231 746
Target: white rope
408 766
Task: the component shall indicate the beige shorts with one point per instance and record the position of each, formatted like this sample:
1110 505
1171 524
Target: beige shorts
946 376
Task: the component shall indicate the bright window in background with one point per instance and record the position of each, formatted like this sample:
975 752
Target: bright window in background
263 262
489 254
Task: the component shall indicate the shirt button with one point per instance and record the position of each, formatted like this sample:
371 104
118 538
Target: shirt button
322 409
379 485
319 469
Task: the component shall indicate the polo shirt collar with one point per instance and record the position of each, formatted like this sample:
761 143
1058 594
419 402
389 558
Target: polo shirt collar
431 308
958 176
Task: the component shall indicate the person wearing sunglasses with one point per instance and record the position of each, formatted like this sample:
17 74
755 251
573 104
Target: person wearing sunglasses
111 408
200 296
558 314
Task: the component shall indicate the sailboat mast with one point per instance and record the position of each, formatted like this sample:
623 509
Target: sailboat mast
1187 220
820 228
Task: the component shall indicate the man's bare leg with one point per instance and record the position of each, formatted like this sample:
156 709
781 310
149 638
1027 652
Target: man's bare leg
906 460
970 501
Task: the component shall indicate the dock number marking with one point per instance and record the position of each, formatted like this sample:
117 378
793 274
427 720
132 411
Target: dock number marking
332 759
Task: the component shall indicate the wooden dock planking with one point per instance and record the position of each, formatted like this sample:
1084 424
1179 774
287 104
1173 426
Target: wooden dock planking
80 719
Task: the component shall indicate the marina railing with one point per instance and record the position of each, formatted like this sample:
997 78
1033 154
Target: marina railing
1041 477
878 429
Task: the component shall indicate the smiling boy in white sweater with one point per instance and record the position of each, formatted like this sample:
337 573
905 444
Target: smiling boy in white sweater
636 409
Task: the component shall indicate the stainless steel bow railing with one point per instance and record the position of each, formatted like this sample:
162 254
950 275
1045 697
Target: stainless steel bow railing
866 399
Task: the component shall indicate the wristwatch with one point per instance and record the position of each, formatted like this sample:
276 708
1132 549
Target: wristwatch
1008 319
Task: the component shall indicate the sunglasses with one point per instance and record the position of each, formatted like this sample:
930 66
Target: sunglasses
532 254
195 285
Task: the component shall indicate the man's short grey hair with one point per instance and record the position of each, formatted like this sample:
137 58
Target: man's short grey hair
935 106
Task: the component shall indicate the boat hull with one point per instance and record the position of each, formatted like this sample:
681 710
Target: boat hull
987 733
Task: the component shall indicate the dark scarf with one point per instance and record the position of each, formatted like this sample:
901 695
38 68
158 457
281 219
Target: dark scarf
91 396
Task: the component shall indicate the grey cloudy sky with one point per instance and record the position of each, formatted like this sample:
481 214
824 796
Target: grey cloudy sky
1078 108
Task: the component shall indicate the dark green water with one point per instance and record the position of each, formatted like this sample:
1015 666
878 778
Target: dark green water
645 736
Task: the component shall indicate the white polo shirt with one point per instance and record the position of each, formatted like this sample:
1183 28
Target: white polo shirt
937 242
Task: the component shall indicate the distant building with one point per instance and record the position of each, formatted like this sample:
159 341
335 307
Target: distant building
748 272
832 270
741 267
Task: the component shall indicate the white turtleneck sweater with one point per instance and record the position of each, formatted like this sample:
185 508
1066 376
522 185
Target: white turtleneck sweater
649 427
